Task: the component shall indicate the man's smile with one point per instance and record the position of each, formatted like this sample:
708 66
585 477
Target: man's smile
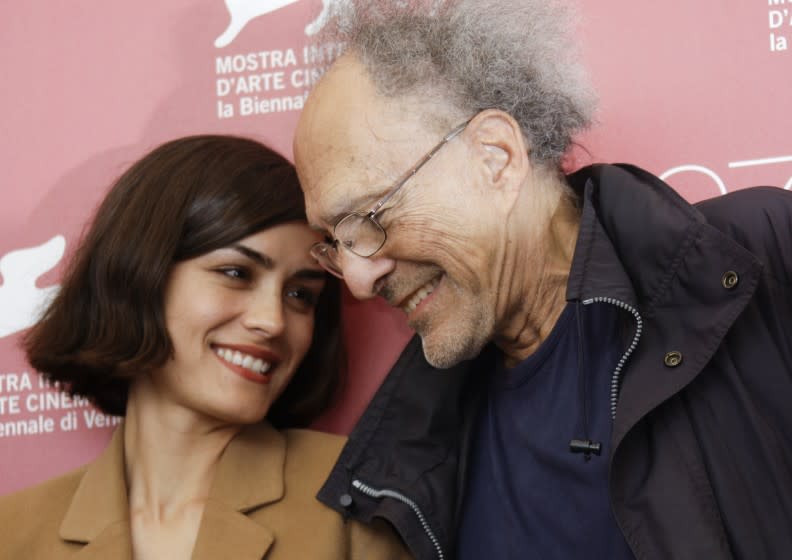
412 302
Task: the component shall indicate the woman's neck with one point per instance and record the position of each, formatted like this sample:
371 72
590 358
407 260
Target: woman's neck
171 453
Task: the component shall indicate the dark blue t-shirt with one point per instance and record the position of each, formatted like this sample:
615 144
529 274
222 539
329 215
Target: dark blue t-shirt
528 496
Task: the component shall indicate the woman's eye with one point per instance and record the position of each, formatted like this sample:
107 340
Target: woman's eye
235 272
302 298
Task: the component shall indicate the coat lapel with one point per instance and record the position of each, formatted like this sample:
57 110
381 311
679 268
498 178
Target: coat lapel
113 542
98 514
249 476
226 533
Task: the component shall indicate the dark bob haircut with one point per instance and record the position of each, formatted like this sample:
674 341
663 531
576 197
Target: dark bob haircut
184 199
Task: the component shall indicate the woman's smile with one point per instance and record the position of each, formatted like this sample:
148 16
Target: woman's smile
252 363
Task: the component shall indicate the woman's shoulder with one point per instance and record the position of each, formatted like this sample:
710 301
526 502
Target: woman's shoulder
315 442
56 490
311 452
309 458
30 518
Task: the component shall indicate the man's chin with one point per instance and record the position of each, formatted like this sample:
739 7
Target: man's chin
445 354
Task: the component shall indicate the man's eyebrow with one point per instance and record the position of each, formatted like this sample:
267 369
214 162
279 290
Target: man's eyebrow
333 219
360 203
259 258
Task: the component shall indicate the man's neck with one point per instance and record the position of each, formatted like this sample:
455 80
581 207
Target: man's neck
538 273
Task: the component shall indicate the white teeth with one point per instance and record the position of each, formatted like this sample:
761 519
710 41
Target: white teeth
421 294
247 361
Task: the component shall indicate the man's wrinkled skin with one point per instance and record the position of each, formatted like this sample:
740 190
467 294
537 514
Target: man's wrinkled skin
493 231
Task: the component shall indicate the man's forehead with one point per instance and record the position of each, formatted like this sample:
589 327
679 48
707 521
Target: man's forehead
341 174
351 142
345 186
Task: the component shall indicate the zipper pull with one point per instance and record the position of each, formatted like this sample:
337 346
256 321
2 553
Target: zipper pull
585 446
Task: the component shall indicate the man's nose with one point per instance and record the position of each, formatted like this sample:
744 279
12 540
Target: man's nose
362 274
265 314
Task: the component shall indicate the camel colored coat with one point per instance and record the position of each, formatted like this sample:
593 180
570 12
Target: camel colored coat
261 505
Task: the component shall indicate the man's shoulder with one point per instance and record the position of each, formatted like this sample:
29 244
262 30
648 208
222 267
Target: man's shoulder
748 205
759 219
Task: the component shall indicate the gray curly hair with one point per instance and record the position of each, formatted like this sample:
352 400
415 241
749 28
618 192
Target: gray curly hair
513 55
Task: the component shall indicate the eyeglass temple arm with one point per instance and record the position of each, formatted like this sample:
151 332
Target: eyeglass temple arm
447 138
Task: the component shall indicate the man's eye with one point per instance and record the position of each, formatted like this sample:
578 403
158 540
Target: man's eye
384 214
330 242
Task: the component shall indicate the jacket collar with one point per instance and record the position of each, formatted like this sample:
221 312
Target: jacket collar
249 475
614 256
642 244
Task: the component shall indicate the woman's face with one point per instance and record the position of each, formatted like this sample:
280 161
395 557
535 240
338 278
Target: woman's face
241 320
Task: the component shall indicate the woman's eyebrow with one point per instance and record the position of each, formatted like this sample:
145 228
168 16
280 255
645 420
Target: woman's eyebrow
259 258
268 263
311 274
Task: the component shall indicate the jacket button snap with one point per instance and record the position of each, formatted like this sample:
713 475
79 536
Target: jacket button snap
730 279
346 501
673 358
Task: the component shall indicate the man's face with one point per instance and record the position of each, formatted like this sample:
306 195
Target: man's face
442 258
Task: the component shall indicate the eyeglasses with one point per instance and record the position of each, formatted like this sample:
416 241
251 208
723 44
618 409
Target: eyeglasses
360 232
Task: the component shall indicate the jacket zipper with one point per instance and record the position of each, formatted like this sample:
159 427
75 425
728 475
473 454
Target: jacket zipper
617 372
385 493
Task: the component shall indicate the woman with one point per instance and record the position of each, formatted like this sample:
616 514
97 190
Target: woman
190 306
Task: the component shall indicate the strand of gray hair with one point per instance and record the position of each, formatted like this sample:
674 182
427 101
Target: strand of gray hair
470 55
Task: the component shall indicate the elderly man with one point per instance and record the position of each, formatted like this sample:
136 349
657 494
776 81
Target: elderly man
603 370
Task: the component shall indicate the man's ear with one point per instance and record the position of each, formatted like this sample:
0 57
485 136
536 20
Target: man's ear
499 146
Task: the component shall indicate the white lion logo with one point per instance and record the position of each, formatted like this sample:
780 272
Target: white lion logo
243 11
21 302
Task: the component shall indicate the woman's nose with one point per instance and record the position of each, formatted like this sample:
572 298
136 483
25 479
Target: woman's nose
265 313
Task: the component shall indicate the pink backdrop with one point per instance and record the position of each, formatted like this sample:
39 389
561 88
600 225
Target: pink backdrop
693 91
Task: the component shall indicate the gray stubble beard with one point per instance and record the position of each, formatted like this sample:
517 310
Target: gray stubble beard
455 344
